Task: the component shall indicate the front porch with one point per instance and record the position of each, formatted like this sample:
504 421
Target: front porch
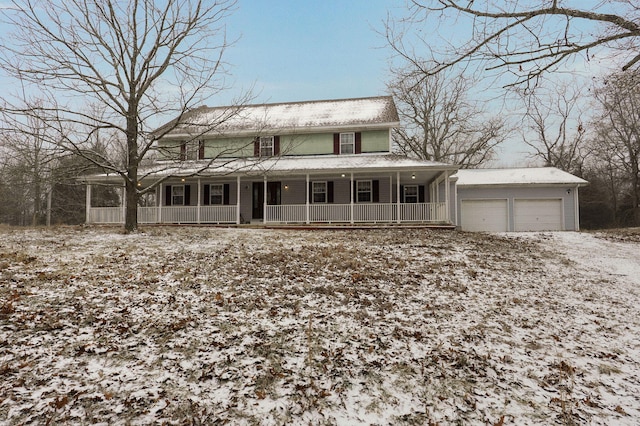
391 198
434 213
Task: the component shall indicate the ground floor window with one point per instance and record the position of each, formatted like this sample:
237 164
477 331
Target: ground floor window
216 194
177 195
319 190
364 191
410 193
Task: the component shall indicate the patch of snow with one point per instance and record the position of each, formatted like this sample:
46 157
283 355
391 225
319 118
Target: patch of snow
517 176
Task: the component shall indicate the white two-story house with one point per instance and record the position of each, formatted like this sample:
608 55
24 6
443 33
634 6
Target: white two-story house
301 162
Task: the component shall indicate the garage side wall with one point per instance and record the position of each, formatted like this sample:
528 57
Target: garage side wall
511 194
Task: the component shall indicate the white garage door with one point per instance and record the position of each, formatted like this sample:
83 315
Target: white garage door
484 215
538 215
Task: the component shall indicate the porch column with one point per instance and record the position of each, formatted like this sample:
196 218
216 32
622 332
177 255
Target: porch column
198 205
264 205
352 195
307 201
88 203
238 201
398 194
446 196
161 187
455 205
576 208
124 204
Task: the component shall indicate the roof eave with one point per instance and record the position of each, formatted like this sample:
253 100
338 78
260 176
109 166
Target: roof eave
522 184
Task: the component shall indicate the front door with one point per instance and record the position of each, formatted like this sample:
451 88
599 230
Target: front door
273 197
258 200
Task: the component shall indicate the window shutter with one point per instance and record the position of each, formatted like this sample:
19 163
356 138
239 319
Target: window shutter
336 143
376 191
225 196
183 151
187 195
207 195
310 192
421 194
256 147
200 149
402 193
330 192
276 145
167 195
358 143
355 191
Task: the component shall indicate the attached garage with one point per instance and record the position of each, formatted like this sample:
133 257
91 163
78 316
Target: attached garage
538 215
485 215
525 199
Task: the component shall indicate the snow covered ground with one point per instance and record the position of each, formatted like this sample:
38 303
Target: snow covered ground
253 326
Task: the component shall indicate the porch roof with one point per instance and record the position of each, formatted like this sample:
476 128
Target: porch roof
372 112
320 164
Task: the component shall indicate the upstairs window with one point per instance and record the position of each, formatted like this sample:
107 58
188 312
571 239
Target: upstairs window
192 150
266 146
347 143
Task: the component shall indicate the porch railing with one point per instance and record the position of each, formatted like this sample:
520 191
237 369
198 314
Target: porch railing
207 214
106 215
331 213
292 213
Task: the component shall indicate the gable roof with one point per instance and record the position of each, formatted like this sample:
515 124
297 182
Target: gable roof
373 112
517 177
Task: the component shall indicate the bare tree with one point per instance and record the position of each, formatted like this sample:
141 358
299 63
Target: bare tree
617 141
523 38
439 122
31 160
553 126
137 62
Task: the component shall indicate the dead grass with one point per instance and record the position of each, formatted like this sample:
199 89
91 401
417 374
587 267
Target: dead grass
209 325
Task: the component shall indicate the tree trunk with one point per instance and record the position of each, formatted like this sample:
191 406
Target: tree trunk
131 207
131 182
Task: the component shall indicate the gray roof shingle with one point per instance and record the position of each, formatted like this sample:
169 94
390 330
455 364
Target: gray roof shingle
289 116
